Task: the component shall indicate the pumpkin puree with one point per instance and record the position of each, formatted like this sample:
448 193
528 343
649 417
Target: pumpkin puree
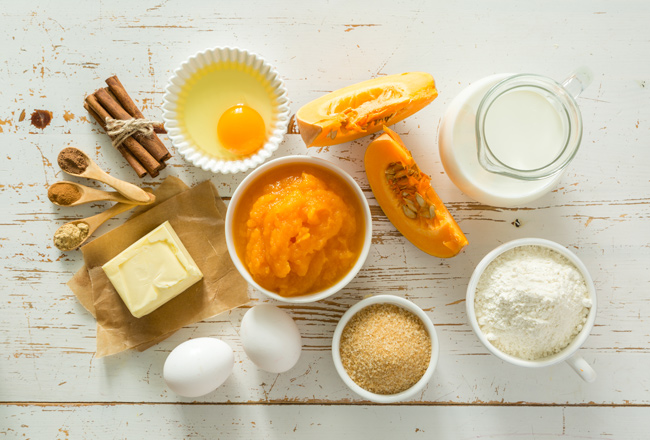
301 232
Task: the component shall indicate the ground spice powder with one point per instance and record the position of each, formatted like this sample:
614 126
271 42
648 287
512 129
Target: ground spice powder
385 349
63 193
72 161
71 235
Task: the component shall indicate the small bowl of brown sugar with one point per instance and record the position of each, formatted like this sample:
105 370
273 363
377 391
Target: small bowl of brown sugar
385 349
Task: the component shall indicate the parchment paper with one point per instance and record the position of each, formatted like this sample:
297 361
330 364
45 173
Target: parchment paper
197 216
80 283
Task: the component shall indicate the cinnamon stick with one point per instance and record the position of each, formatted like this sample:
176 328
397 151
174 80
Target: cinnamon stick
144 157
159 128
120 94
153 145
130 158
119 91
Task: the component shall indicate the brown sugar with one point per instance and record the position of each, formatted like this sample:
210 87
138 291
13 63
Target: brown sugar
385 349
72 161
63 193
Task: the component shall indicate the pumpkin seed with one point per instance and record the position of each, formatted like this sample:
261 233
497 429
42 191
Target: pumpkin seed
408 212
398 177
411 205
332 134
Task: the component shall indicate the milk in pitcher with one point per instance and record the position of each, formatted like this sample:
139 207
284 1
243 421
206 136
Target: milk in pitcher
523 130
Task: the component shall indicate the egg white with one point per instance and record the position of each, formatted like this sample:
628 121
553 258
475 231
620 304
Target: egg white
210 92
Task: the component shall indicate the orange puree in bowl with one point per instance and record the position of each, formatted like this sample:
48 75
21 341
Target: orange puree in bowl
299 229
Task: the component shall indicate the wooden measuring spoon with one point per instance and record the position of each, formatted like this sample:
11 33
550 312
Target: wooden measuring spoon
89 194
93 223
92 171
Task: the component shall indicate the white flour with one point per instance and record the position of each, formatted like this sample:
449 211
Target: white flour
531 302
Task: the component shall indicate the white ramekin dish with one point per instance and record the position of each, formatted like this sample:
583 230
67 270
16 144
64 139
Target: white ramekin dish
192 152
405 304
568 354
252 177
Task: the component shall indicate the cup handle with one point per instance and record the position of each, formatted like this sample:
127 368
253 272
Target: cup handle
578 81
581 367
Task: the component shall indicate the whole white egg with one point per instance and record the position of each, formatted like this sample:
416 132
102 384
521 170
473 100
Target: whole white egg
271 338
198 366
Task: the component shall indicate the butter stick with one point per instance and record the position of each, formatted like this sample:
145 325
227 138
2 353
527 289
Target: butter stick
152 271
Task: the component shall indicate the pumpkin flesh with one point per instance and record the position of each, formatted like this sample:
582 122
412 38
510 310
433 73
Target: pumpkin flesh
364 108
408 200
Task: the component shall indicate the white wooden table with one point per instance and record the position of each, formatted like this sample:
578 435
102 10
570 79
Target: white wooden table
53 53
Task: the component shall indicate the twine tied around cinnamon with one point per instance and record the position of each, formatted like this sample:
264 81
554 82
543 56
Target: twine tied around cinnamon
120 129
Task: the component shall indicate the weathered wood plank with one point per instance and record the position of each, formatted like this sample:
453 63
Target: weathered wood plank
322 422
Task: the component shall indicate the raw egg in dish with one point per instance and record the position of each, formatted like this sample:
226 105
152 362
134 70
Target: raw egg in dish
241 130
227 110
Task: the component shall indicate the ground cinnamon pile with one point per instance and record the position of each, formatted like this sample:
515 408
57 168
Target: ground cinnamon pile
63 193
72 161
145 154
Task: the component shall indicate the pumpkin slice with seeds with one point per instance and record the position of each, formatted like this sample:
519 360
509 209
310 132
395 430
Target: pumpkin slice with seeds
405 194
361 109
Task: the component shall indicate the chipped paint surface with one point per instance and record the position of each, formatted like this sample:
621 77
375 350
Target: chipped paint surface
52 57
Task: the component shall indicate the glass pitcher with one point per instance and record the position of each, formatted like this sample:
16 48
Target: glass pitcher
529 127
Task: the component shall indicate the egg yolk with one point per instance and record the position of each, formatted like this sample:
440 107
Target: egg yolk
241 130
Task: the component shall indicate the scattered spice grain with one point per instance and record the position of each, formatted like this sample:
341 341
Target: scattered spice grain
40 118
385 349
63 193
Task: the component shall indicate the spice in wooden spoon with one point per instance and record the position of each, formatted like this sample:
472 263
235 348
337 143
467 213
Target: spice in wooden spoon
73 234
64 194
76 163
74 194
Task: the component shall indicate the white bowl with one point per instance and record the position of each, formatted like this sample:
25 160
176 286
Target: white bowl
405 304
192 152
567 354
241 189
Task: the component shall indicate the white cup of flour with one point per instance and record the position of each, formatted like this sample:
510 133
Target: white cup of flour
568 353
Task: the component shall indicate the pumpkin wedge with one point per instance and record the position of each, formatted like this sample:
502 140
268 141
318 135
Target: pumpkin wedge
406 197
360 109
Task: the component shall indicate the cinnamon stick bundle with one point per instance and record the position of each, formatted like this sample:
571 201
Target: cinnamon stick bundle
140 170
119 92
115 86
152 144
140 151
146 160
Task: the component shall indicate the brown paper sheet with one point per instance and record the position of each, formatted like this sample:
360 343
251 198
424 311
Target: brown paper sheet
197 216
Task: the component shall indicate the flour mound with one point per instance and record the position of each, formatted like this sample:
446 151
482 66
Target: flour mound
531 302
